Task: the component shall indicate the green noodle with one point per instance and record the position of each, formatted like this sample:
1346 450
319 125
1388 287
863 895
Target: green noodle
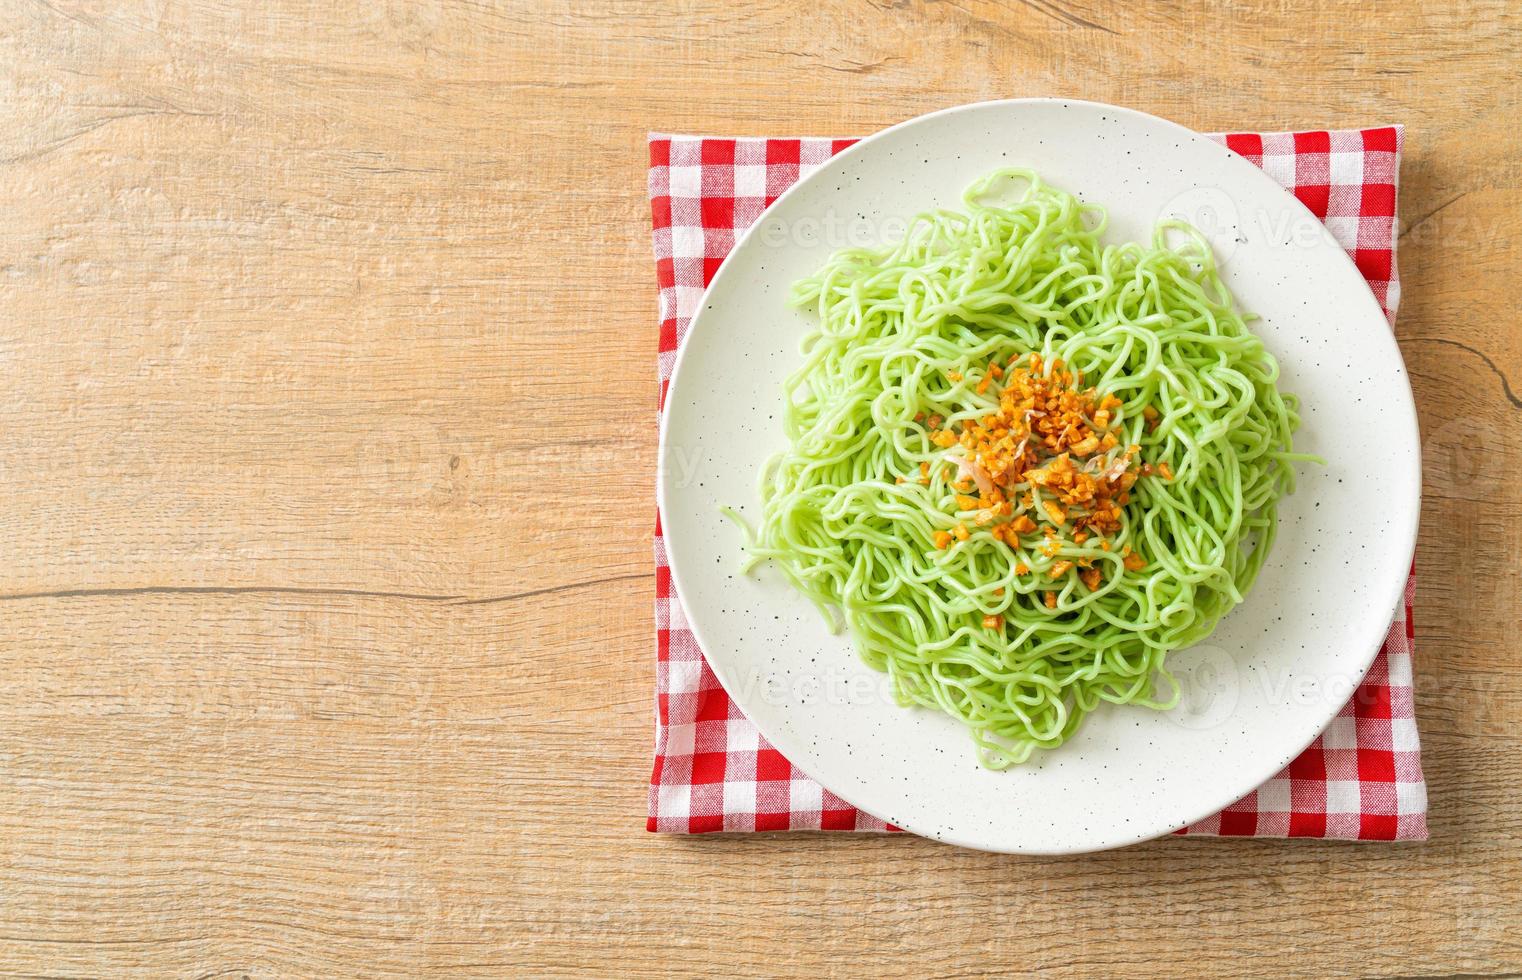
1022 269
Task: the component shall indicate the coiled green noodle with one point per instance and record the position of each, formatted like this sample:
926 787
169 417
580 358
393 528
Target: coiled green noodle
1023 269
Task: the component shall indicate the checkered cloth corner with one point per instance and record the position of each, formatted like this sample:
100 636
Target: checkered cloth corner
1360 780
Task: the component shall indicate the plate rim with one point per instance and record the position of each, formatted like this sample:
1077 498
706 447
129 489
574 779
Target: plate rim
1408 422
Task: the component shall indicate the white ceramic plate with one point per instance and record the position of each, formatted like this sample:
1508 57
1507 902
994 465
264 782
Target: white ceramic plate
1278 667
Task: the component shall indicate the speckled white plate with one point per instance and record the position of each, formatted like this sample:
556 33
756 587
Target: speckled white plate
1275 671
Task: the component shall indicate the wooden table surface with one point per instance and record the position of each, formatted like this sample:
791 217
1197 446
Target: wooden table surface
327 464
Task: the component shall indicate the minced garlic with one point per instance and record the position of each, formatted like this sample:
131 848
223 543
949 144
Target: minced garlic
1048 437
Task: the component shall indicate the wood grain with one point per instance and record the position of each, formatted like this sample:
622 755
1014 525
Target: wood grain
327 472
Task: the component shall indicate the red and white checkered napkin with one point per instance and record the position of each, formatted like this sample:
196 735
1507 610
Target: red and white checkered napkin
1361 780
